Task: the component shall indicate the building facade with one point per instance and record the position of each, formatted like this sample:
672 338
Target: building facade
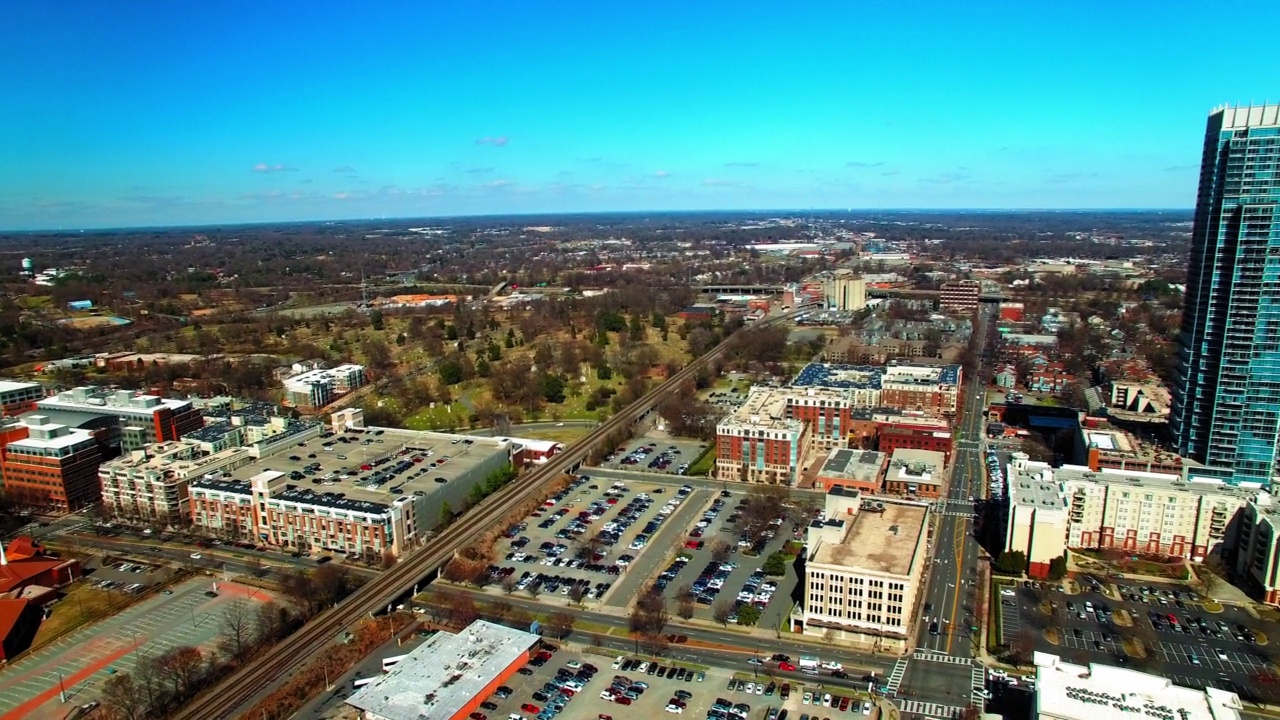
863 574
1226 406
922 388
151 486
846 292
53 467
758 442
894 436
314 389
136 419
961 295
19 397
1258 552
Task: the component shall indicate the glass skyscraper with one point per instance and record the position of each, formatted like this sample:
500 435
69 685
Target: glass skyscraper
1226 409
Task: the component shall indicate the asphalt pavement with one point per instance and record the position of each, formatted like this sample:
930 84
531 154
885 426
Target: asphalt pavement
941 677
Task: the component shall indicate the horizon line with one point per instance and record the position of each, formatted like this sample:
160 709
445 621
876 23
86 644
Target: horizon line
790 211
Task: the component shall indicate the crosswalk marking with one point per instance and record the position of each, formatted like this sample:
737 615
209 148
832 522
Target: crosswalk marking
895 677
933 710
940 658
978 680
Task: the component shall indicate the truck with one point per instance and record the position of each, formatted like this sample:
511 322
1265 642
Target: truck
388 663
809 664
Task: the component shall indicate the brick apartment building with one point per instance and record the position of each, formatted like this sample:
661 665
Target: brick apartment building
914 437
961 295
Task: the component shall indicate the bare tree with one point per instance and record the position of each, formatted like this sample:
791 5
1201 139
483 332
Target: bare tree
720 550
388 559
654 643
721 611
577 592
559 624
271 622
684 607
183 668
237 626
508 584
123 698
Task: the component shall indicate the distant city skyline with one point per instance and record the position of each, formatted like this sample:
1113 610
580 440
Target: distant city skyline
137 114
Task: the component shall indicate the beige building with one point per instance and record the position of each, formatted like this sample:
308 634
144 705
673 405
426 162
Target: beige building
1141 512
1258 550
1037 520
864 571
150 486
761 442
845 291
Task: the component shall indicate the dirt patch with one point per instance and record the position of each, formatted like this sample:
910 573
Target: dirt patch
1134 648
1070 587
1122 619
1051 635
1260 638
1212 607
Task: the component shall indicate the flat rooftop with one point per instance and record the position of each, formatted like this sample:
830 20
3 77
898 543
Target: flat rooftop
348 458
834 375
1104 692
918 466
847 464
882 542
445 673
766 409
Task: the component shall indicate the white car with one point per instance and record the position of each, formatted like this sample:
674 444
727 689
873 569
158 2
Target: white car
196 556
573 665
617 662
1008 592
866 708
826 700
997 673
675 709
832 666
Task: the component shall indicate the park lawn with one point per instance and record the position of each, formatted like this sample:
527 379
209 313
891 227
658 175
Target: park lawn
564 435
438 417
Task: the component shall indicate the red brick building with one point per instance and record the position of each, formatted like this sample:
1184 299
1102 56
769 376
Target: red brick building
961 295
52 466
914 437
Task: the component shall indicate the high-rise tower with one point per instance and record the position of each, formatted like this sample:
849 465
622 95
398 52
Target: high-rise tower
1226 409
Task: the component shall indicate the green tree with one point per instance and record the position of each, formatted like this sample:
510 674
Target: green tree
775 564
482 368
450 332
1012 562
748 615
552 388
495 352
375 320
604 372
446 514
510 341
450 371
1058 568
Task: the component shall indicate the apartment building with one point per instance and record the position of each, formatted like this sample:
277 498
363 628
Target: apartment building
1038 526
921 388
865 566
1136 511
314 389
151 486
1257 560
49 466
19 397
827 411
760 442
134 419
961 295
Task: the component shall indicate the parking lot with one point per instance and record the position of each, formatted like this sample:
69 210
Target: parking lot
81 660
670 456
580 685
612 541
1196 647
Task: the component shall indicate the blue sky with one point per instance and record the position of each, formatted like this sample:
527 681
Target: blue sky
144 113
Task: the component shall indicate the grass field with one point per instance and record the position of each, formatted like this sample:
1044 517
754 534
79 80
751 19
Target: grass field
705 462
564 435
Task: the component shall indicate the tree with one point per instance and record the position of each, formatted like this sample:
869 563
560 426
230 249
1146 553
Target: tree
450 371
236 625
375 319
183 668
654 643
123 698
553 388
559 624
388 559
776 564
748 614
684 607
446 514
376 353
576 593
1022 648
508 584
720 550
1011 562
271 622
1058 568
721 611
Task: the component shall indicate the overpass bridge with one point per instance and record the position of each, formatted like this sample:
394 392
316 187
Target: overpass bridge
741 289
907 294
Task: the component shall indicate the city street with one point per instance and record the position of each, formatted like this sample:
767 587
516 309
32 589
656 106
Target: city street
940 678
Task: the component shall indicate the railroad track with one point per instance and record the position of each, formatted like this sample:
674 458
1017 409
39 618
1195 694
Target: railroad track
229 697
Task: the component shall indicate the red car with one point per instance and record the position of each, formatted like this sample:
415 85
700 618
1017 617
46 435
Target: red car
532 709
622 700
844 703
786 666
478 716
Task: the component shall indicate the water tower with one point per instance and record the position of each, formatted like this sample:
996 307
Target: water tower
28 269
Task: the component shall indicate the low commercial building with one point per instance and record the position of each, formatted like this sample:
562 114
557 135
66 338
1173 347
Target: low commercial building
863 572
1107 447
314 389
49 466
861 470
910 435
1067 691
448 676
1134 511
151 486
916 473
